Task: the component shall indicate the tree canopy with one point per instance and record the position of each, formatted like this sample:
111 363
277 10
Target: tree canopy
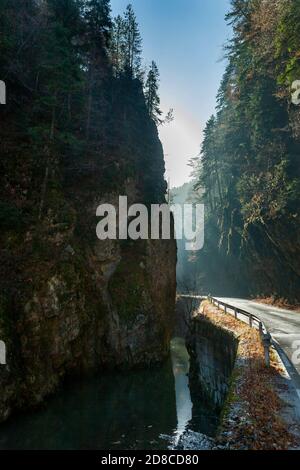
249 164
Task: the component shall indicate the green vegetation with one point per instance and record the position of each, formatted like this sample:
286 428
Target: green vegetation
76 105
76 131
77 127
249 164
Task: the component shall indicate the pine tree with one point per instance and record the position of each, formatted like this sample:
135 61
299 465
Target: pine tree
98 34
68 14
132 44
117 51
248 165
99 23
151 94
59 81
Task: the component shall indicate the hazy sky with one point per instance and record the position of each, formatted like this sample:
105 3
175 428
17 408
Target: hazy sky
185 38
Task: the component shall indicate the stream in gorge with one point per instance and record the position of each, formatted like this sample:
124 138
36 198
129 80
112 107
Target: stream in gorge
150 409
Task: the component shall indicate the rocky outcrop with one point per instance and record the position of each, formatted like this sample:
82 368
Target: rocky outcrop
72 304
82 307
82 135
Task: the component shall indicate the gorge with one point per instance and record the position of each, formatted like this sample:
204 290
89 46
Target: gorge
99 349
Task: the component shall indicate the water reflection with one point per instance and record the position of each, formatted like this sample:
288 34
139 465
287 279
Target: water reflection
116 411
184 405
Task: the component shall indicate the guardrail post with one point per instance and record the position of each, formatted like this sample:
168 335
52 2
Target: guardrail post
267 345
250 321
261 332
235 313
225 309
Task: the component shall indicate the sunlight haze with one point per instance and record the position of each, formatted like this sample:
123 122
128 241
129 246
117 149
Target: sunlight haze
186 40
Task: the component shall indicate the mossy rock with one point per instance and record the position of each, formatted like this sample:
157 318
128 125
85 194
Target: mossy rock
129 289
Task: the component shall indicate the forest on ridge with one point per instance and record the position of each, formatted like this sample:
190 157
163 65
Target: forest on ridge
249 165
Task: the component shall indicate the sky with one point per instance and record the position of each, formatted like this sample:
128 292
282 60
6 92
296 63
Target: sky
186 39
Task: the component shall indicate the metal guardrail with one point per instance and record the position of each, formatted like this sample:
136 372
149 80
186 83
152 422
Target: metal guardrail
254 322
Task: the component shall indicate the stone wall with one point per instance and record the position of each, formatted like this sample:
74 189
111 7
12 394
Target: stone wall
214 351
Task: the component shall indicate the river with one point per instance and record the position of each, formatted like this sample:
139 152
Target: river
148 410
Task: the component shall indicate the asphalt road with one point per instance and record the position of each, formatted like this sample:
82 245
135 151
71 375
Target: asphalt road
283 325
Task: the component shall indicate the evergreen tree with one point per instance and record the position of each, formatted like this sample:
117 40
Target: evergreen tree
99 23
151 94
60 81
118 45
248 165
132 44
98 36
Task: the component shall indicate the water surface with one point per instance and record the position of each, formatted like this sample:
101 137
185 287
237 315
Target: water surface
146 410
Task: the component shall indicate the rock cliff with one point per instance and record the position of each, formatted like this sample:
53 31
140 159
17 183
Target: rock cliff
76 132
70 303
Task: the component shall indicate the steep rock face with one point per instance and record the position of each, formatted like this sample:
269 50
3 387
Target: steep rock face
214 350
91 307
72 304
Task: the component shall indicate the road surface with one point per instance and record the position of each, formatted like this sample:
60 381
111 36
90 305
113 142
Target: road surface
283 325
